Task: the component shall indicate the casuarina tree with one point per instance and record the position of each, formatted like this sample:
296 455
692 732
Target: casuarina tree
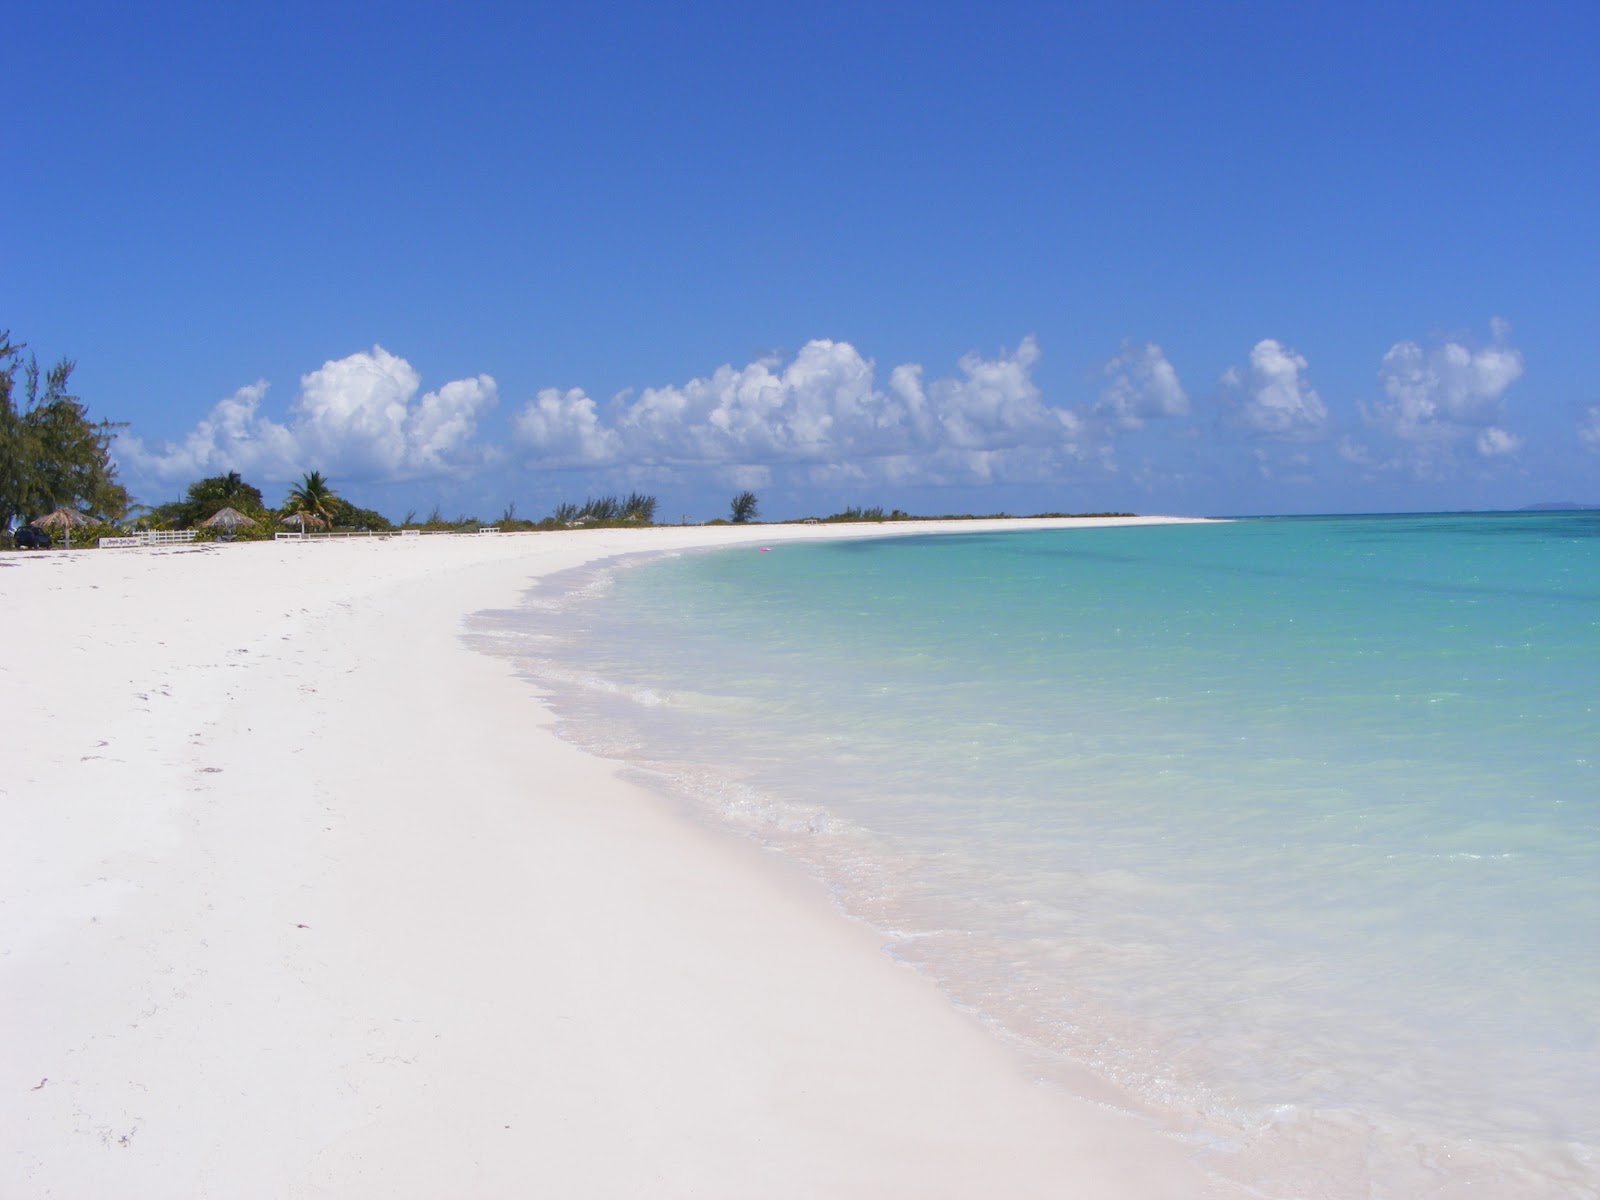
744 508
51 454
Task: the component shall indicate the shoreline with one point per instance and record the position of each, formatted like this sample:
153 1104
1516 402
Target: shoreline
304 897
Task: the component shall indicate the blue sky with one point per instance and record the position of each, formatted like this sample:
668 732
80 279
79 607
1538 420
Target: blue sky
1158 258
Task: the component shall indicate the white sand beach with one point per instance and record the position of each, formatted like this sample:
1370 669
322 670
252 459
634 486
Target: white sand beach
301 897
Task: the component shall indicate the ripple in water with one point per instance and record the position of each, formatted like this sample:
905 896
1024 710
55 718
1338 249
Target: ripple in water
1290 829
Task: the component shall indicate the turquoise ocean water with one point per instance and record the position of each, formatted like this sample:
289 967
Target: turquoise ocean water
1289 829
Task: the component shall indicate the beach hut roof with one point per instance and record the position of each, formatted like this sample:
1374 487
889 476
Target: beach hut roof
228 518
61 518
304 518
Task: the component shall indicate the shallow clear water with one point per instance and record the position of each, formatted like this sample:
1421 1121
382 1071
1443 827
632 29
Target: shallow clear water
1288 828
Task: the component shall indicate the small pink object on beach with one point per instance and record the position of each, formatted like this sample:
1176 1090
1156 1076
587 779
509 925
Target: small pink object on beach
765 550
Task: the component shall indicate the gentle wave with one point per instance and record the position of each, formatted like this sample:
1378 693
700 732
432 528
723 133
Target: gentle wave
1285 829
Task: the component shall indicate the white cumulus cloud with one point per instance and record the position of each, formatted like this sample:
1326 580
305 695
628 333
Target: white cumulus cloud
566 427
354 409
823 412
441 428
1141 385
356 417
232 436
1494 442
1272 398
1447 393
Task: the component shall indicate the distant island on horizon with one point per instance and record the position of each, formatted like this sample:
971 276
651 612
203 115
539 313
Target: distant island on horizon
1556 506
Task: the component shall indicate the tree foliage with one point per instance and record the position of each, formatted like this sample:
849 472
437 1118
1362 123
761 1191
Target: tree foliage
206 496
859 513
636 506
347 516
225 491
51 454
633 509
313 496
744 508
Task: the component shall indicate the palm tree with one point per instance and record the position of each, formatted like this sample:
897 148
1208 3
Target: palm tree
313 496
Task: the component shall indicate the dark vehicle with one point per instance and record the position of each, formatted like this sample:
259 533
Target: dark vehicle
29 538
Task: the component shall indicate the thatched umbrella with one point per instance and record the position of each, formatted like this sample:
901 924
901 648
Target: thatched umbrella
228 520
302 519
63 519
